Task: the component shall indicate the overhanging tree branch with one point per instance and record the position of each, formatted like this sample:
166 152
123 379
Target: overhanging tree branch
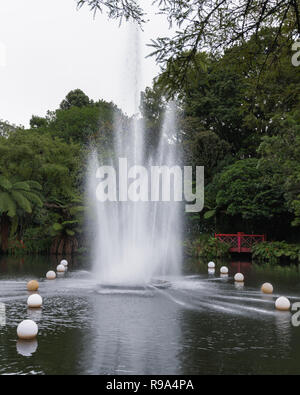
116 9
205 25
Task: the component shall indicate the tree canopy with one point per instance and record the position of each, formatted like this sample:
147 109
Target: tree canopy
203 25
238 122
51 153
242 126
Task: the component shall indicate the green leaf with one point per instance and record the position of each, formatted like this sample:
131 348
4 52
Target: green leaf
21 200
66 223
34 185
57 227
22 185
76 209
209 214
5 183
7 204
33 198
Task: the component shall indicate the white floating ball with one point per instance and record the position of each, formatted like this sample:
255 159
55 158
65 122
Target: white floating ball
239 277
27 348
224 270
35 301
64 262
33 285
211 265
27 330
282 304
51 275
61 268
267 288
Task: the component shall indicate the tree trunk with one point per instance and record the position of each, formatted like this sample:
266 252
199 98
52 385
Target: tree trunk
64 245
4 232
54 245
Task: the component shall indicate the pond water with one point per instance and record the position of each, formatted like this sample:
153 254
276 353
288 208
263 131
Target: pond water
198 324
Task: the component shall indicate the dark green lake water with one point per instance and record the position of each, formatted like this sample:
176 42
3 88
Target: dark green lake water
201 324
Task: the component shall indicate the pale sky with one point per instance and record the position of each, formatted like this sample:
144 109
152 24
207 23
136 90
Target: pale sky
48 48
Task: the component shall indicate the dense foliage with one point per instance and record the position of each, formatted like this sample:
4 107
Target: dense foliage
239 122
206 247
243 126
42 175
276 252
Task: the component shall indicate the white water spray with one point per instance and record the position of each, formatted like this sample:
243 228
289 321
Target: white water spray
135 242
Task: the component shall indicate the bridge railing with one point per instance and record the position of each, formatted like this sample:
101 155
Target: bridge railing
240 242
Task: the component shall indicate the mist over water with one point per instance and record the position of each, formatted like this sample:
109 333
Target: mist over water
135 242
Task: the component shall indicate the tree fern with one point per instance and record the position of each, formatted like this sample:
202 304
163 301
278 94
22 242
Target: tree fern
33 197
7 204
14 226
16 197
22 201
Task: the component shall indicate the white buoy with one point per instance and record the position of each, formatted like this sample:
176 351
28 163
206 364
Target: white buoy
239 277
33 285
51 275
35 301
60 268
64 262
224 270
27 330
211 265
27 348
282 303
267 288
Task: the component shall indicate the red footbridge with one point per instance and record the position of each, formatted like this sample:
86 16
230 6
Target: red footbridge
240 242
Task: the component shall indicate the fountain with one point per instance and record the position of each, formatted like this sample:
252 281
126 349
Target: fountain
136 242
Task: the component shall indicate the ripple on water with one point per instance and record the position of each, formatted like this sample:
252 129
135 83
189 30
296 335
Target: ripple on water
191 322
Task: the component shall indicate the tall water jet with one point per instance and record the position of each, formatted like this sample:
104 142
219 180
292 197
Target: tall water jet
136 241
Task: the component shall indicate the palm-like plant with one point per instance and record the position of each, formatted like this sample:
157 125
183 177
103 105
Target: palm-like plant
68 228
16 198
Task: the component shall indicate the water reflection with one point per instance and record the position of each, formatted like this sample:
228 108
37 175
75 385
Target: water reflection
283 330
243 267
27 348
239 285
224 276
133 334
35 314
2 314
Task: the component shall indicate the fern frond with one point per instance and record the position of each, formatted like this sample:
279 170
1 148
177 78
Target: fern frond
33 198
22 201
5 183
21 185
34 185
7 204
